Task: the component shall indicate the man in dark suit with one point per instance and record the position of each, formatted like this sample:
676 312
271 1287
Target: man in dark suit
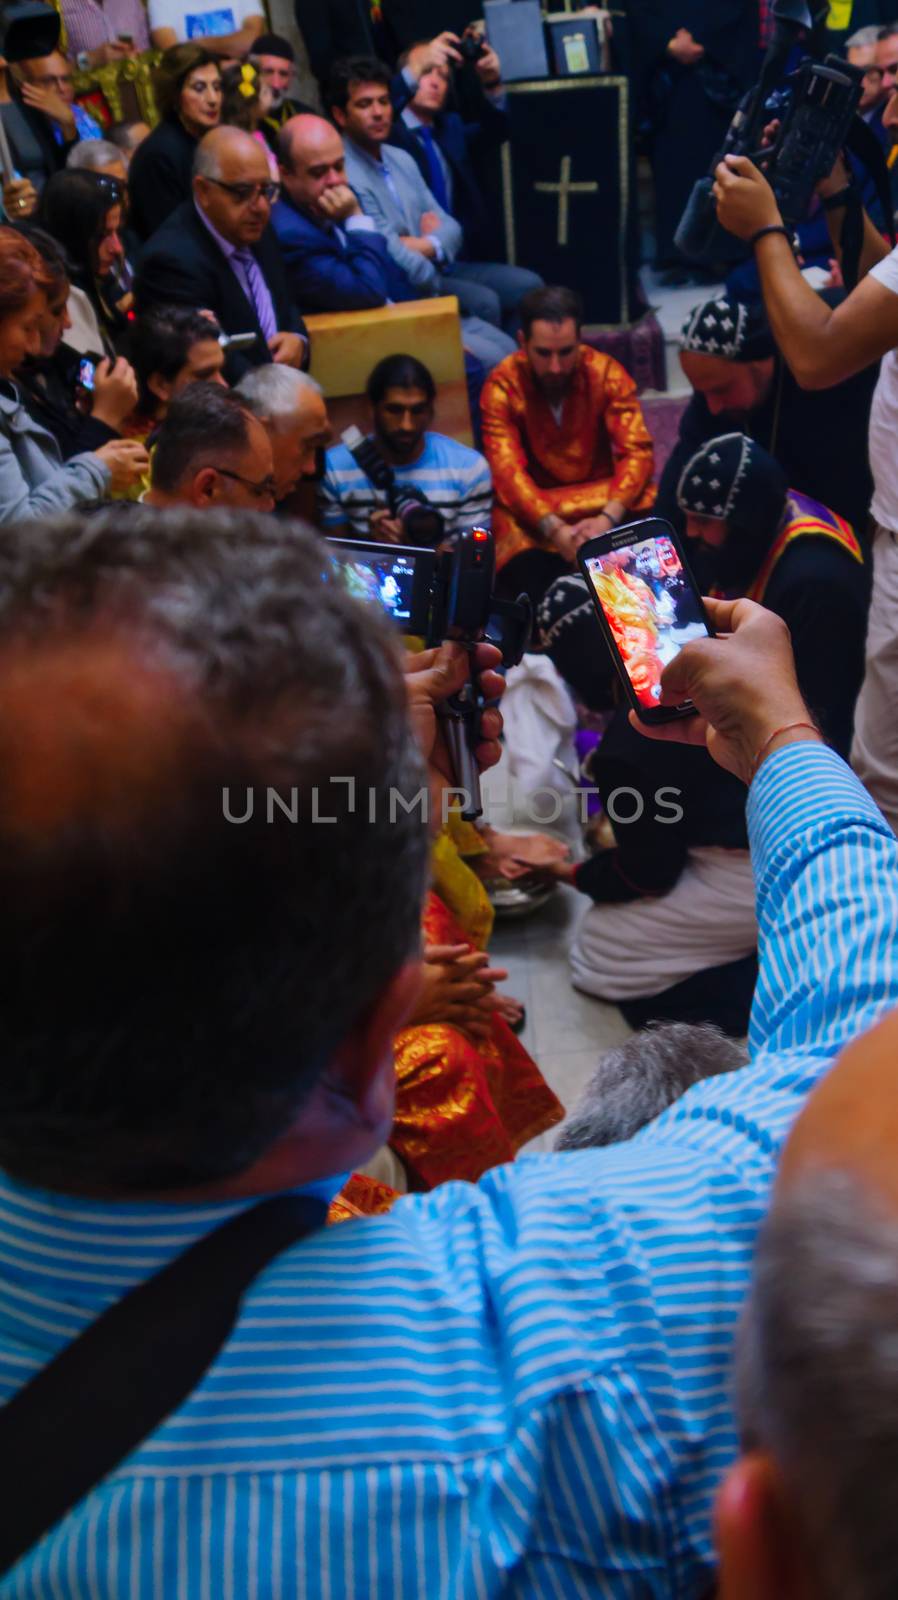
217 252
336 259
451 149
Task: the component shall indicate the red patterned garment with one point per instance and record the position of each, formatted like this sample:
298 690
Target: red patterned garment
601 449
462 1108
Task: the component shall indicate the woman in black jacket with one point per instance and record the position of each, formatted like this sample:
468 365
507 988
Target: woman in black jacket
188 92
83 409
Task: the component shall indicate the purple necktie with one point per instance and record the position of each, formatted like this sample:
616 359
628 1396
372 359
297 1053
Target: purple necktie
258 291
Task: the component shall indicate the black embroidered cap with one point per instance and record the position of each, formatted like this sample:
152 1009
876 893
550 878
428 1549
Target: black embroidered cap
729 329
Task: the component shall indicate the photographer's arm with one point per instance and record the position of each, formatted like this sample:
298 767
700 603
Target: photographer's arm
823 347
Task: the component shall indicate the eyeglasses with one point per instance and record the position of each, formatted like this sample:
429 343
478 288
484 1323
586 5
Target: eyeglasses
262 491
60 79
245 193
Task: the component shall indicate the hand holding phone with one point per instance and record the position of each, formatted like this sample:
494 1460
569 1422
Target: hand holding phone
648 607
744 687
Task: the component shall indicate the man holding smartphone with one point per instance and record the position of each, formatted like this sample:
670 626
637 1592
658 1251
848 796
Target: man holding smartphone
101 32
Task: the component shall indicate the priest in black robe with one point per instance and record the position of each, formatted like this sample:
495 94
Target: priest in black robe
693 60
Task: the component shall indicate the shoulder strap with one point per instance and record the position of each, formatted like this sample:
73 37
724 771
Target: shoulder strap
863 143
91 1406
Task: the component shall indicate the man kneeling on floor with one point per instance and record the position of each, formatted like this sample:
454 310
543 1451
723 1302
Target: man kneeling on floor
672 934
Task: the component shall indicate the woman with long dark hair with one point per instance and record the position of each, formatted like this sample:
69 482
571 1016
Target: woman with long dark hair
83 212
34 479
82 404
188 93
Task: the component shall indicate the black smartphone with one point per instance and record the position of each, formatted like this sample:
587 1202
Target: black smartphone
648 605
86 373
398 578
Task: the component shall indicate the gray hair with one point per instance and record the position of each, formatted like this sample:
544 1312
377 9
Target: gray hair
817 1369
863 39
636 1082
206 162
273 392
92 155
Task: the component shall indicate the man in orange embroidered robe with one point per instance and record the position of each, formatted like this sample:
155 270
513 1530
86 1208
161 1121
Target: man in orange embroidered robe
567 444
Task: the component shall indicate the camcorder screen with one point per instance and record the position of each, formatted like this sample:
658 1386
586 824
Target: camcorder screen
388 583
399 579
650 605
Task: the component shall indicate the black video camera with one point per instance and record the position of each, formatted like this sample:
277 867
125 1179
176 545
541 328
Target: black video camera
471 46
816 108
28 29
421 522
437 595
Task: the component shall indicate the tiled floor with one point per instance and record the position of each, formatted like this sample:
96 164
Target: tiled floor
566 1032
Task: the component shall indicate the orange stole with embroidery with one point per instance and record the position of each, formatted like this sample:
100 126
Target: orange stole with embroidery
462 1108
808 517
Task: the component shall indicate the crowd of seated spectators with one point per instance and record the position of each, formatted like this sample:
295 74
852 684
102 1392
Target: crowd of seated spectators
233 855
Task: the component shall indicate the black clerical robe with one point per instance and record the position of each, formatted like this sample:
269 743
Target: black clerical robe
687 110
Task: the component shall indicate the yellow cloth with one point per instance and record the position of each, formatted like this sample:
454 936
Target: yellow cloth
457 886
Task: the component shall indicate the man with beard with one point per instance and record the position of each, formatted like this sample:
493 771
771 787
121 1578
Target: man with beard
671 934
566 441
741 381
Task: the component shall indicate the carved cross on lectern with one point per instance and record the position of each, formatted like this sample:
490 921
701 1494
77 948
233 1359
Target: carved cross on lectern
564 188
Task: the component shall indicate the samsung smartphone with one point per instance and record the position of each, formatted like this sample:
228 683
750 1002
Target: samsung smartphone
648 605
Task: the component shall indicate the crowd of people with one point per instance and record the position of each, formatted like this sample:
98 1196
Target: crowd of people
284 1309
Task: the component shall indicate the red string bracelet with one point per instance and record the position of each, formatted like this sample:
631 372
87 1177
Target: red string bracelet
790 727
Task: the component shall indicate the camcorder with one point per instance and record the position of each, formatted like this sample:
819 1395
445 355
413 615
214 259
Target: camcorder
816 108
422 523
437 595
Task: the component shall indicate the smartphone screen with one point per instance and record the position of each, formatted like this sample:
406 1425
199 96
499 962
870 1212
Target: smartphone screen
86 372
648 604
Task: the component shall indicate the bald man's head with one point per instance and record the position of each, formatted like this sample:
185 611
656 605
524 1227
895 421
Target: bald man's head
807 1512
850 1121
312 161
232 184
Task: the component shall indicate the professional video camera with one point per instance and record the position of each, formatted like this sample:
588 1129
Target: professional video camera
444 594
816 108
421 522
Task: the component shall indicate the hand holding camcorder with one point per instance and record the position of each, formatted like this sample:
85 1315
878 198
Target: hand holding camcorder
445 595
815 113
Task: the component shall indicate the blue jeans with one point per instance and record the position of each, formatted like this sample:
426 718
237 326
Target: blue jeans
490 290
484 341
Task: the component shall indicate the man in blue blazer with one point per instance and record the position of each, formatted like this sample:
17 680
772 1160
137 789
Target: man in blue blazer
450 147
334 255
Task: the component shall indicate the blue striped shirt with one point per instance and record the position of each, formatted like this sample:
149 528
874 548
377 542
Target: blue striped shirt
520 1387
454 478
